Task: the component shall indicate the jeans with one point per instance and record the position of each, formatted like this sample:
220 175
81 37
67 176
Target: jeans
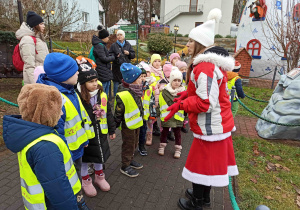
116 85
143 130
106 86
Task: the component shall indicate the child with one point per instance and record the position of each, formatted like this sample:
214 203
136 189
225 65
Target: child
61 71
166 98
94 100
129 116
174 57
43 156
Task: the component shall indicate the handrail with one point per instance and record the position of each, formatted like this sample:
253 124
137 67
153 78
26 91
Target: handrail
179 9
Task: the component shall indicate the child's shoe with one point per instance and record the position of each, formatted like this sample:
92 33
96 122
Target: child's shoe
149 139
129 171
161 149
142 150
101 182
177 153
88 187
81 203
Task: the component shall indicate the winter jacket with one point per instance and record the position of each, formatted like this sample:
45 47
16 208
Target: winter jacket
172 123
32 55
208 104
44 158
160 85
115 49
120 107
103 59
98 150
69 91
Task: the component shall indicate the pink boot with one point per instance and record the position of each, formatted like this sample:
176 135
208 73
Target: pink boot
88 187
102 183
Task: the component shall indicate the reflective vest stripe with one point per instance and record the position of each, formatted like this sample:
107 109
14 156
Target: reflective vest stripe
73 122
146 102
180 114
32 190
36 206
163 110
165 114
74 138
131 114
68 164
133 122
164 107
74 179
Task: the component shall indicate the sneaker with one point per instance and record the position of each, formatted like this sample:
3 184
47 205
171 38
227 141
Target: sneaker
184 129
171 136
129 171
81 203
136 165
142 150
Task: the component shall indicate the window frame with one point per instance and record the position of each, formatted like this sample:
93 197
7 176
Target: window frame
256 41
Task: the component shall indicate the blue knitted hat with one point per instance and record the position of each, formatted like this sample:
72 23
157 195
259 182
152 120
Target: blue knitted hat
130 72
60 67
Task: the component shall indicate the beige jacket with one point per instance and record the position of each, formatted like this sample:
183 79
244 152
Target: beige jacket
27 51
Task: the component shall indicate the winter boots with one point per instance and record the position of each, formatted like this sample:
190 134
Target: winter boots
101 182
177 153
149 139
89 188
206 195
191 204
161 149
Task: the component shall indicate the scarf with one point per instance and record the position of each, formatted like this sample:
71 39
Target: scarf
121 44
157 72
137 89
174 92
93 94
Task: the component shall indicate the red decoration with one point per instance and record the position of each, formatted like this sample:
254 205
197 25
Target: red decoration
103 101
254 47
296 13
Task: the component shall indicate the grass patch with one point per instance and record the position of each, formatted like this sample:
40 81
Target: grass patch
256 181
258 107
73 46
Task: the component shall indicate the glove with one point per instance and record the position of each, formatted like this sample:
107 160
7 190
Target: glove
182 95
173 109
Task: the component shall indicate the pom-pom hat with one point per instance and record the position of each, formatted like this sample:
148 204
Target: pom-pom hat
175 74
130 72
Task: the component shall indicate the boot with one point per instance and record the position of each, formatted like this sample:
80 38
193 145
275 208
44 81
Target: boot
177 153
171 136
149 139
206 195
161 149
102 183
156 130
88 187
191 204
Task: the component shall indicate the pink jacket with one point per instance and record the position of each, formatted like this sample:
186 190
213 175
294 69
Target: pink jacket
160 85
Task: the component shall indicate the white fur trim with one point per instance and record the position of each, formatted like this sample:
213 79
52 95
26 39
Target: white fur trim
225 63
215 14
216 137
208 180
233 170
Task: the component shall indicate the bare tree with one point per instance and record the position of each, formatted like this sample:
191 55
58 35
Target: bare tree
238 7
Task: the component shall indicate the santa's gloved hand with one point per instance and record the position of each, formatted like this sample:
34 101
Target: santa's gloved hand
173 109
182 95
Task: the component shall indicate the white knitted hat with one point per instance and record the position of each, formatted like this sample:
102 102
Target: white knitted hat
205 33
121 32
175 74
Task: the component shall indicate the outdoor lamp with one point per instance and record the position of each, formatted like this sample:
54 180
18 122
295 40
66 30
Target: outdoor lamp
52 12
43 11
176 28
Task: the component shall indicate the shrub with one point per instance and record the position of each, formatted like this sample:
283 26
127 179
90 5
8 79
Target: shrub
8 37
170 34
228 36
159 44
179 35
218 36
186 35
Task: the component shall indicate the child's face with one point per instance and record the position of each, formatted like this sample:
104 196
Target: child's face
176 83
183 69
92 85
138 81
143 77
148 73
174 61
156 64
72 80
105 39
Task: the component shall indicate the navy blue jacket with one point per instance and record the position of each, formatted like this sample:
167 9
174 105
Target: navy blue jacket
69 91
44 158
239 88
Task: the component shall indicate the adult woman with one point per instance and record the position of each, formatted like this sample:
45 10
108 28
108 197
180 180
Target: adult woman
124 53
33 54
211 157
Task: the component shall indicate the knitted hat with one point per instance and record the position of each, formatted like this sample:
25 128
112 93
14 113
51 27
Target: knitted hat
175 74
180 64
40 104
86 73
33 19
102 32
155 57
121 32
145 66
174 55
167 68
237 66
60 67
205 33
130 72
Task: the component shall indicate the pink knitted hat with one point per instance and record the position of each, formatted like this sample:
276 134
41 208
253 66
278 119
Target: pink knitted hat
174 55
167 68
181 64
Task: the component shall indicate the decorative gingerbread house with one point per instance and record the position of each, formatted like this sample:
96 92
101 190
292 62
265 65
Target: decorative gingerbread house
245 59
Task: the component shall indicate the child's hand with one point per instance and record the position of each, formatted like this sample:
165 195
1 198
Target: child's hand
86 145
112 137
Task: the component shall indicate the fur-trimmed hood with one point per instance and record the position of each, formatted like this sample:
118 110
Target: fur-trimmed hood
225 63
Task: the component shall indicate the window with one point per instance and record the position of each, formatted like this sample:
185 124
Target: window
85 17
296 13
193 5
253 48
198 23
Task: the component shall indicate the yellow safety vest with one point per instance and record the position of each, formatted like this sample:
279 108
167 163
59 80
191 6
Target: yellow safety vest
146 103
132 113
163 106
32 191
103 121
230 84
77 130
156 77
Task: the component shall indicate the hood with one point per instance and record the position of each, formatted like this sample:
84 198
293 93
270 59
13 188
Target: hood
18 133
24 30
226 63
63 88
96 40
231 75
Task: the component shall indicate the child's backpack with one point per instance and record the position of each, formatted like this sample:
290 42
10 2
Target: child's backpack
17 59
91 55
